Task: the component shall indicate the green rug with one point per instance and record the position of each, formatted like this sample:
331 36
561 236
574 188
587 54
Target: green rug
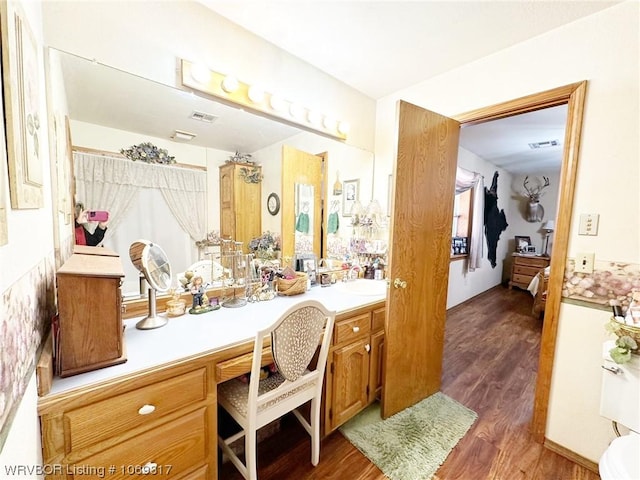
413 443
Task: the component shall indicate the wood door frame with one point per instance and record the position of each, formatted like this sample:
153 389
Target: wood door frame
574 96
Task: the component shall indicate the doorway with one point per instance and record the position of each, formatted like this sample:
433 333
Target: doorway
431 321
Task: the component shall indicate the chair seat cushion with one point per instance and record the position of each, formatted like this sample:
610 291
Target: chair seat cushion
236 392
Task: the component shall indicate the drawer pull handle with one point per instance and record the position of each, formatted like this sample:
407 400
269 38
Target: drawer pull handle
356 329
146 409
367 347
149 467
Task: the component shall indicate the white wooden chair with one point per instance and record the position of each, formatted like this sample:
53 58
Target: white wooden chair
295 339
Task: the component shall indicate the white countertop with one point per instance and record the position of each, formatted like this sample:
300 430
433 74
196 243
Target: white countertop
191 335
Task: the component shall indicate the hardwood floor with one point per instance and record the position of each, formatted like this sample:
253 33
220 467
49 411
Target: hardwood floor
490 362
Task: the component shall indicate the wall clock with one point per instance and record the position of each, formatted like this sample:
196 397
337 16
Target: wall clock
273 203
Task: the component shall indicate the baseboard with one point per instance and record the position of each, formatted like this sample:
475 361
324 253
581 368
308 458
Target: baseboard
570 455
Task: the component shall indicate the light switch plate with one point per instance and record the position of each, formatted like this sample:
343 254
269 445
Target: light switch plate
584 262
589 224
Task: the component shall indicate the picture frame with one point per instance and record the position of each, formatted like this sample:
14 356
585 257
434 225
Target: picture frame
350 195
308 263
25 123
522 241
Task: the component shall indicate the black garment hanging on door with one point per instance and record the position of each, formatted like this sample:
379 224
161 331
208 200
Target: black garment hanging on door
495 221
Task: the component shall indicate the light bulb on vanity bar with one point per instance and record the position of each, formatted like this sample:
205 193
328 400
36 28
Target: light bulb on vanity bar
230 84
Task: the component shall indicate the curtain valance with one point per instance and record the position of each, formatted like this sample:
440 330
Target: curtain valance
112 184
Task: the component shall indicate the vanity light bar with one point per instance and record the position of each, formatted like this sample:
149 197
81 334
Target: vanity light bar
252 97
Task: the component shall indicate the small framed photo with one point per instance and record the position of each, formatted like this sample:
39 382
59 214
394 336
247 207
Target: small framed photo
308 263
522 242
350 194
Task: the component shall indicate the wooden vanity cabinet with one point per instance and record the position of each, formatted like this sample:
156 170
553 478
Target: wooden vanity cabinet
240 203
159 424
354 368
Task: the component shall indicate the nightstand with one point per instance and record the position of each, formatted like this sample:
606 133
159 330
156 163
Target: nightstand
524 268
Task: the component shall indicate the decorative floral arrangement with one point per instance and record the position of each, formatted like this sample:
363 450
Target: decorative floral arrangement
251 174
213 238
265 246
240 158
149 153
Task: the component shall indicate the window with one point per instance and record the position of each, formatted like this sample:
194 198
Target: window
461 225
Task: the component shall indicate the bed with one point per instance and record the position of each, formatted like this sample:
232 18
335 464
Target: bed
538 288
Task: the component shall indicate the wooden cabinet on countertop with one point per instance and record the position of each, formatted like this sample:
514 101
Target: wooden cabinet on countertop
524 268
89 311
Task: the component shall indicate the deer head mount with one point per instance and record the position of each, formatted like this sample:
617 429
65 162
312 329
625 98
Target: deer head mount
534 211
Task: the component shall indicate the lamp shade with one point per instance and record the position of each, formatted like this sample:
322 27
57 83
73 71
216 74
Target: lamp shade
549 226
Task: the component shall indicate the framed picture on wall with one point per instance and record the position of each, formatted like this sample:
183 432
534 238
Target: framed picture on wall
350 194
20 79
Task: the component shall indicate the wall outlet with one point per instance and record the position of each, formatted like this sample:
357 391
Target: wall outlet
584 262
589 224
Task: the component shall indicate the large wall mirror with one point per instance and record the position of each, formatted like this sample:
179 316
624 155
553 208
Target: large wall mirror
108 109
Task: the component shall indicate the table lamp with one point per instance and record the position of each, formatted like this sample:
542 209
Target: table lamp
547 228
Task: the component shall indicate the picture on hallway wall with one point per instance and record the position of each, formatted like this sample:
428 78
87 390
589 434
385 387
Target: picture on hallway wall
20 77
350 194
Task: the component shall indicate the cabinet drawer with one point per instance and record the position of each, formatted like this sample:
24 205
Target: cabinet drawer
377 320
522 279
532 261
113 416
174 448
351 328
522 270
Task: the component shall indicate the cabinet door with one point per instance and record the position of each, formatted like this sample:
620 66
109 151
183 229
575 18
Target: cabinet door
350 381
375 365
247 198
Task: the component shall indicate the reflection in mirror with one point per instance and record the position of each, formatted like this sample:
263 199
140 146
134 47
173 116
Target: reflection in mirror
151 261
305 217
109 109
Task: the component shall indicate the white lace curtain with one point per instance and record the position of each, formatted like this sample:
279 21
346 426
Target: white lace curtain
112 183
466 180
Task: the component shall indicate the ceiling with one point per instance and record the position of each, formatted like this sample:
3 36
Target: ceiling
379 35
380 47
505 142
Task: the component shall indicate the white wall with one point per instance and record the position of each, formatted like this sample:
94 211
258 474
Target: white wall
603 49
23 445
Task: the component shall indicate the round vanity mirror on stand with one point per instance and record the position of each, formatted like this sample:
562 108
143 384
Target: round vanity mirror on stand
151 260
